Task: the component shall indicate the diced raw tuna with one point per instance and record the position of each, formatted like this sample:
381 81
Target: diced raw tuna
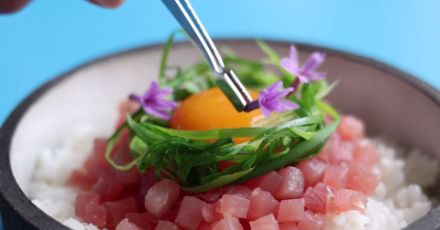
118 209
97 158
346 200
96 215
261 204
310 221
241 190
336 176
234 205
122 156
108 188
162 197
292 185
190 213
127 225
204 226
209 213
361 179
269 182
213 195
166 225
80 179
342 152
313 170
313 202
82 199
327 150
323 191
228 223
265 223
291 210
366 155
288 226
146 180
141 220
351 128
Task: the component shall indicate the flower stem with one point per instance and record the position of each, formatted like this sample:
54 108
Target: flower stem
253 105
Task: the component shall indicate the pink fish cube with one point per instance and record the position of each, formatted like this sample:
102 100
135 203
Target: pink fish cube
190 213
236 206
323 191
166 225
228 223
162 197
269 182
82 199
351 128
209 213
310 221
336 176
127 225
265 223
118 209
346 200
261 204
362 180
241 190
313 202
292 185
366 155
288 226
96 215
291 210
313 170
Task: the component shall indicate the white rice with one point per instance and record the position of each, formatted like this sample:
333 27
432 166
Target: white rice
398 200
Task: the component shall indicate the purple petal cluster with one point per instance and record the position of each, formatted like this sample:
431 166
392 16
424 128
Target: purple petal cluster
154 103
270 99
305 73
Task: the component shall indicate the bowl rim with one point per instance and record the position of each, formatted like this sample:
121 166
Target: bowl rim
13 199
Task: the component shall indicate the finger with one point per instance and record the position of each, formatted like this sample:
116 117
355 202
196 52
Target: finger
10 6
108 3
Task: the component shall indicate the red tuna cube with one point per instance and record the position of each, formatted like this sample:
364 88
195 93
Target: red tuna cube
269 182
288 226
204 226
313 170
362 180
261 204
346 200
336 176
292 185
82 199
143 220
265 223
236 206
342 152
162 197
324 191
190 213
118 209
310 221
366 155
108 188
291 210
79 178
241 190
213 195
209 213
313 202
351 128
127 225
96 215
228 223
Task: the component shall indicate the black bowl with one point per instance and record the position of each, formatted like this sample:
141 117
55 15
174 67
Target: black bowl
390 101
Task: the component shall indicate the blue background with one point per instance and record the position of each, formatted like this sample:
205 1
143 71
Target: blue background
50 37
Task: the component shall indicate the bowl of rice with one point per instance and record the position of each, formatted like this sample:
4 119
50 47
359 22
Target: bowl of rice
51 133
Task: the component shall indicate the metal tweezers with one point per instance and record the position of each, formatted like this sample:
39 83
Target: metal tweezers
225 79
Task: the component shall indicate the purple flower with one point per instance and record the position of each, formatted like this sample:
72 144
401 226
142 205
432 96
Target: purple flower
305 73
270 99
154 103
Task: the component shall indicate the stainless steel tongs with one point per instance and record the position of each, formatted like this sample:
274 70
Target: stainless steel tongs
225 79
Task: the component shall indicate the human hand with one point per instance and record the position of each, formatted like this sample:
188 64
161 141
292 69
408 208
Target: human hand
10 6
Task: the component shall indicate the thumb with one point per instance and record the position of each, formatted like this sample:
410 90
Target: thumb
107 3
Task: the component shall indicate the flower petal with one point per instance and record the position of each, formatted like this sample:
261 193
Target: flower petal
158 113
313 61
293 54
315 75
274 87
266 112
289 65
284 105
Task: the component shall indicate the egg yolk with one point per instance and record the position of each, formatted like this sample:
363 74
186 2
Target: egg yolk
211 109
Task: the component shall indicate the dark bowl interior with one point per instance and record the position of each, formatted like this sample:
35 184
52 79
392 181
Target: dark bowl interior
393 104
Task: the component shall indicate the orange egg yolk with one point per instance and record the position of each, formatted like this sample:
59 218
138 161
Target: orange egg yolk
211 109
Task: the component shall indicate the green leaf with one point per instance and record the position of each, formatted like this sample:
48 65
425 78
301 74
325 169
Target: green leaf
221 181
324 91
